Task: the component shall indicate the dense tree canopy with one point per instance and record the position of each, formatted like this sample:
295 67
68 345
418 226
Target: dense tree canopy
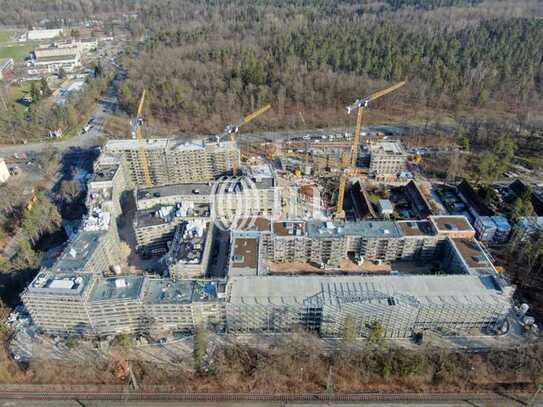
225 60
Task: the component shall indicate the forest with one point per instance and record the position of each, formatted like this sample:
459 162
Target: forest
311 59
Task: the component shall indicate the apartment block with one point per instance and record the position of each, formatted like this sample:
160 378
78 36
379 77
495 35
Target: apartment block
91 305
106 184
154 228
387 159
188 254
175 161
243 196
328 243
403 304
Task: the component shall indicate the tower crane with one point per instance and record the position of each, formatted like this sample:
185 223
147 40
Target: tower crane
137 125
232 129
360 105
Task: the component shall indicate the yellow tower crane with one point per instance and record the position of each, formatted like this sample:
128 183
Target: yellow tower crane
137 125
360 105
232 129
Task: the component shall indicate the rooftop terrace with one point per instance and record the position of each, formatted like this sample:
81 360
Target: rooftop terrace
245 253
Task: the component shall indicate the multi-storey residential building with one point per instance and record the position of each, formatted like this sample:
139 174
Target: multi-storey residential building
106 184
387 159
75 296
174 161
56 301
89 304
154 228
328 243
189 250
403 304
243 196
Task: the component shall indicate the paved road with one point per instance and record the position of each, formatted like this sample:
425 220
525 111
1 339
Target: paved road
103 110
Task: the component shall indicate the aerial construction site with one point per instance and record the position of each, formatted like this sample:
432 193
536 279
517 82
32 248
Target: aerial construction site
267 237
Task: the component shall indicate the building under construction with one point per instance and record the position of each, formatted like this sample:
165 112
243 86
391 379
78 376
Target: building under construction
176 207
172 161
402 304
90 304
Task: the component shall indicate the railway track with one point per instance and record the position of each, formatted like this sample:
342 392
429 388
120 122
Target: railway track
518 398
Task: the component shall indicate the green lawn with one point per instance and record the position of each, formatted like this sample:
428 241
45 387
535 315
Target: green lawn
17 52
17 92
6 36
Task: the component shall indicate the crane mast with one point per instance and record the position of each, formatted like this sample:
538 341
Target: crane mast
360 105
137 132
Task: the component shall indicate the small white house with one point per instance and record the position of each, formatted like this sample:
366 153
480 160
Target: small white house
4 171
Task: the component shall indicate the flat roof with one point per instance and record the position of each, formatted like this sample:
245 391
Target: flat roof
472 253
286 290
188 245
104 172
387 147
260 224
289 228
118 288
56 58
132 144
47 282
150 217
416 228
162 291
174 190
245 253
165 143
78 251
195 189
372 229
450 223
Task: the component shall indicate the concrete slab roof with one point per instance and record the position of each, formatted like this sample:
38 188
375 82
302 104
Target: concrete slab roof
283 290
118 288
78 252
162 291
370 229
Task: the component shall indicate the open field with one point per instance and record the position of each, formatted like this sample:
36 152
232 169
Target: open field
5 36
17 52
